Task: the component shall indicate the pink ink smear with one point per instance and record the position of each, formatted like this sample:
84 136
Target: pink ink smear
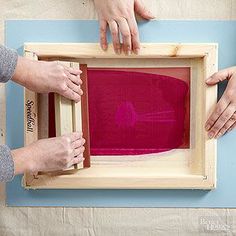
133 112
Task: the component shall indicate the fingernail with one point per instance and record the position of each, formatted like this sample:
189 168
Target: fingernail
128 53
104 47
211 135
218 135
136 51
208 127
118 51
83 140
208 79
230 129
151 14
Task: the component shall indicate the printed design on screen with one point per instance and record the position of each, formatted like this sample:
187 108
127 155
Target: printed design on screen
138 111
127 117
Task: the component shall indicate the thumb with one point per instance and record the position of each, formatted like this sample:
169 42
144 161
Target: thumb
141 9
218 77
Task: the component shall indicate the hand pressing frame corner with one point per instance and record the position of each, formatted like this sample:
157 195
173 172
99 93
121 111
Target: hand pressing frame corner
69 114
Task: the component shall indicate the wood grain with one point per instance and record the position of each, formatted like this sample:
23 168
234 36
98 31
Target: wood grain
93 50
30 118
67 113
181 168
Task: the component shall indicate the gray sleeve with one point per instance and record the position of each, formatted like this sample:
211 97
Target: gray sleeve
8 61
6 164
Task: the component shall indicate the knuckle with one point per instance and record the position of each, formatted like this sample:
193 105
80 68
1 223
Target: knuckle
102 30
233 117
229 94
64 161
224 118
218 111
233 103
80 143
66 140
226 127
118 18
126 34
215 74
210 122
114 33
134 32
69 151
223 130
102 37
215 128
117 45
61 163
228 114
63 87
64 76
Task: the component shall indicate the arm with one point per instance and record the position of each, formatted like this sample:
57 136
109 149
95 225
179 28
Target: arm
47 154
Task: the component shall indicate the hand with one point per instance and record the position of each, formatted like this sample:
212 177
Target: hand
119 16
45 77
49 154
223 118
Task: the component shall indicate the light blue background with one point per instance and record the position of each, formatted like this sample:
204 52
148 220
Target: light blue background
222 32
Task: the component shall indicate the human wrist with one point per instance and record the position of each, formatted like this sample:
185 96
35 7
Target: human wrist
24 71
22 161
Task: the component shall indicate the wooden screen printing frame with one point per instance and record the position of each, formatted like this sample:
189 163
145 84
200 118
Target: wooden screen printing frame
193 168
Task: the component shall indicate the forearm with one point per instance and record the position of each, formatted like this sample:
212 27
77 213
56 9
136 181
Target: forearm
8 61
19 69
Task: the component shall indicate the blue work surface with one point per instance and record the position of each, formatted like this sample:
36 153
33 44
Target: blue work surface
222 32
